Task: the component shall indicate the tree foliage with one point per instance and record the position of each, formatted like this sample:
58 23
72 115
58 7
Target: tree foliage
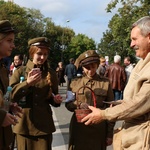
30 23
116 40
78 44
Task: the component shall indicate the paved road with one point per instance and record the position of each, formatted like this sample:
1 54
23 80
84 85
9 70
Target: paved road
62 118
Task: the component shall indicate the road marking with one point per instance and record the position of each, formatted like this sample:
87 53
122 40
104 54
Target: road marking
58 140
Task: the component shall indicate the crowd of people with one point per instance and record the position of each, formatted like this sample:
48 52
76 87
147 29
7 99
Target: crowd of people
36 84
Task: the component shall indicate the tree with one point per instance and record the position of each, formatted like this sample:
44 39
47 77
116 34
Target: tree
78 44
30 23
117 38
56 34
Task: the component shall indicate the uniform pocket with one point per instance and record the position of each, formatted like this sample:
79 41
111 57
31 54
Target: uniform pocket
101 96
100 92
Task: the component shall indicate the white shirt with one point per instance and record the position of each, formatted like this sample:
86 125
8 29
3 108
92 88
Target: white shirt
128 70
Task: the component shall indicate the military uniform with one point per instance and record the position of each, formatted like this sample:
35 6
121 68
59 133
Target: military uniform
91 137
5 132
36 123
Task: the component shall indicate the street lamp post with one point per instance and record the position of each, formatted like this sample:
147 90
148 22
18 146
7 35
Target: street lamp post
62 41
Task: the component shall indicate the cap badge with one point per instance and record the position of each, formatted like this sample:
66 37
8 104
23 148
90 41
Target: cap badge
46 40
86 55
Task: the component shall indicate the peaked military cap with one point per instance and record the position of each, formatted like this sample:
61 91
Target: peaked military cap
40 42
5 26
88 57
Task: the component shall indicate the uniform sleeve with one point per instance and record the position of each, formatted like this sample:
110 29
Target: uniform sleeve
54 81
110 95
2 116
2 112
22 89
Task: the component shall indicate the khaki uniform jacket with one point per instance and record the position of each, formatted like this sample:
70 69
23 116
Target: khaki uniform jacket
91 137
5 132
37 114
135 109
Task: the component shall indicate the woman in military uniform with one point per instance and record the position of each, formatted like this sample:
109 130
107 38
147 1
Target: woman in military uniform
6 119
94 137
35 93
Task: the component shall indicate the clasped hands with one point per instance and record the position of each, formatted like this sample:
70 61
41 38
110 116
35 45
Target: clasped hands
11 119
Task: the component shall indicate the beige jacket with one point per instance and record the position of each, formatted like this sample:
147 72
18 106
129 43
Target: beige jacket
135 109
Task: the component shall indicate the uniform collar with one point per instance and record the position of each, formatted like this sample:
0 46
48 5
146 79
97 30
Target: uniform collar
87 79
31 65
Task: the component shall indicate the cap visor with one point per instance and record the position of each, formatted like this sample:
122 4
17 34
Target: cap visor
89 62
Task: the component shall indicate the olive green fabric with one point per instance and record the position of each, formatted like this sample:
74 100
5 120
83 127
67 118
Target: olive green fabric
5 26
34 142
5 132
88 57
40 42
93 137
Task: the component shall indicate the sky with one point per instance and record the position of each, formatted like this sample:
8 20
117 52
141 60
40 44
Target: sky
87 17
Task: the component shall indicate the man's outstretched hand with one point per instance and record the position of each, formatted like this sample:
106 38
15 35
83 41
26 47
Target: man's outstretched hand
94 117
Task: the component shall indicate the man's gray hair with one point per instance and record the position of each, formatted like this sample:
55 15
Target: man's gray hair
117 59
143 24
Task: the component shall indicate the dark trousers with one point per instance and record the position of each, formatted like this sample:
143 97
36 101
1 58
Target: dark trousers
68 83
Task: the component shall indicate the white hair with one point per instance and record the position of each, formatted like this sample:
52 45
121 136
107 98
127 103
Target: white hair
117 59
143 24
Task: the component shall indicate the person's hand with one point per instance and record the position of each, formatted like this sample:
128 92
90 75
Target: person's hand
57 69
84 106
33 77
109 141
94 117
58 98
15 109
9 120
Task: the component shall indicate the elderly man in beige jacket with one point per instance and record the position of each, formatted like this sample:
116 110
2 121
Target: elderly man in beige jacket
135 107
